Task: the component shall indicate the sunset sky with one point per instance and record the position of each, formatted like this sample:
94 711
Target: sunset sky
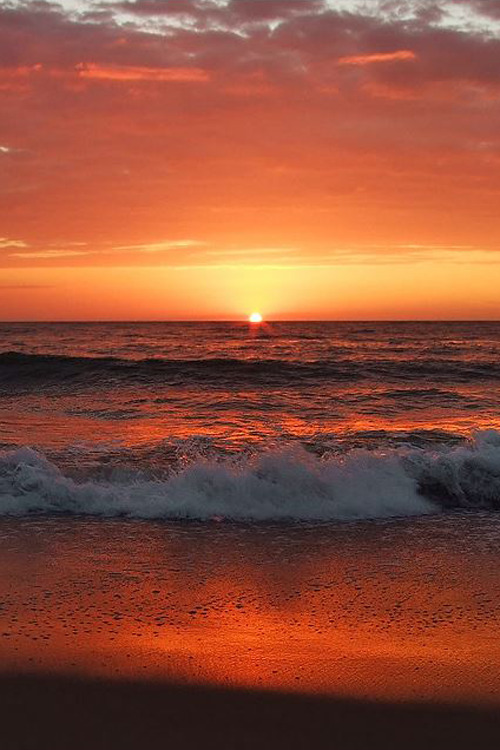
202 159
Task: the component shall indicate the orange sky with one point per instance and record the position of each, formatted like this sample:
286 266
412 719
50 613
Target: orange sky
204 158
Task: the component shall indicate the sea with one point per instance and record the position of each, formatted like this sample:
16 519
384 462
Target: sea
295 507
299 422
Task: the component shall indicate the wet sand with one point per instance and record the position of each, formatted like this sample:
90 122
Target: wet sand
117 634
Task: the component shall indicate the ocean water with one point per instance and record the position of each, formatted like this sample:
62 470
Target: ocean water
284 421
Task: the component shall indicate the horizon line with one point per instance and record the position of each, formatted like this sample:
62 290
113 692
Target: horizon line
245 321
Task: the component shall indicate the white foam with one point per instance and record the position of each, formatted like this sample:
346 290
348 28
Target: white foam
289 484
272 486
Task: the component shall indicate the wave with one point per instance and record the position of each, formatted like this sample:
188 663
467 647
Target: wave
18 369
280 485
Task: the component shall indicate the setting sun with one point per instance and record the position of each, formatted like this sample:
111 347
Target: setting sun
255 318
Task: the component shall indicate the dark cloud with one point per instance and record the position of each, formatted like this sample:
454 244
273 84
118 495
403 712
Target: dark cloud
249 10
487 7
40 39
244 10
161 7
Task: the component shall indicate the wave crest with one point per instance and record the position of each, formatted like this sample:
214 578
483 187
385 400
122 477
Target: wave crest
287 484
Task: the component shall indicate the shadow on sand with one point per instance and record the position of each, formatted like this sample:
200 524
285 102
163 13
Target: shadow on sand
62 713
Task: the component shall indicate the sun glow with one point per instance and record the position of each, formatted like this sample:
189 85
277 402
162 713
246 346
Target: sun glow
255 318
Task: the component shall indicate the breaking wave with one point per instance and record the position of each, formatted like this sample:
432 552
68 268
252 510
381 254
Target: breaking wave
288 485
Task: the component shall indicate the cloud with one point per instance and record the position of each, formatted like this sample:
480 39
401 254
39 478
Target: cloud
159 247
130 73
246 252
159 7
378 57
5 242
486 7
274 9
242 11
48 254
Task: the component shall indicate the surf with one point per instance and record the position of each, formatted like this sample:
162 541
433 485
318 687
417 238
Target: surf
288 484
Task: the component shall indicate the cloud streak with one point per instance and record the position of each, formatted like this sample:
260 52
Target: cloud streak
130 73
6 243
403 55
48 254
160 247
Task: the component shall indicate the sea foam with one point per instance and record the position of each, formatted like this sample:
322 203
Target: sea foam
289 484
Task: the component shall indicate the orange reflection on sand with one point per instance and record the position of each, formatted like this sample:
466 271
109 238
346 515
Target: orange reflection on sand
355 610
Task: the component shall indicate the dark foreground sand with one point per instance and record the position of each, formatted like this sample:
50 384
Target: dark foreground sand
57 713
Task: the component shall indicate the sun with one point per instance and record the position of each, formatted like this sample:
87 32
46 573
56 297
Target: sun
255 318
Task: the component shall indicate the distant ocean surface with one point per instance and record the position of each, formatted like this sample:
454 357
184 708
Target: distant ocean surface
289 421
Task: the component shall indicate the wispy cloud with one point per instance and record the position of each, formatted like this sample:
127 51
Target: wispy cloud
64 244
81 249
245 252
139 73
367 255
48 254
403 55
160 247
6 242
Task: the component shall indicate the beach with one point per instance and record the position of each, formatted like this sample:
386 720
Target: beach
119 634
